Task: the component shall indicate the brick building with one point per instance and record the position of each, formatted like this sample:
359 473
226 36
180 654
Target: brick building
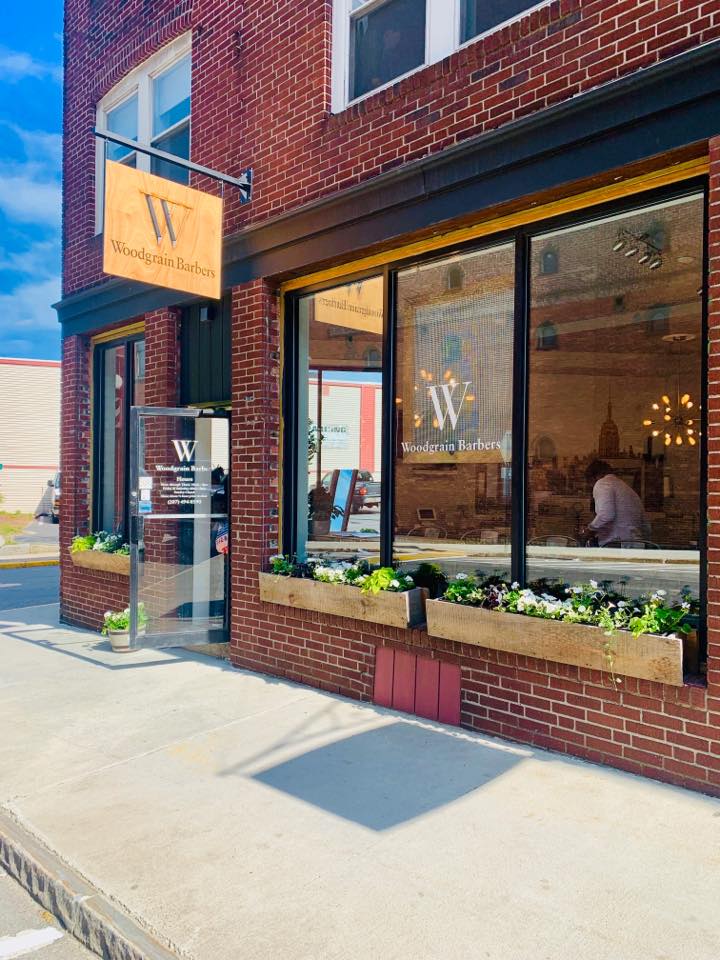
512 214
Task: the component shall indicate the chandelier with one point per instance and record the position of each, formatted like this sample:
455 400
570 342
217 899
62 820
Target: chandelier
676 422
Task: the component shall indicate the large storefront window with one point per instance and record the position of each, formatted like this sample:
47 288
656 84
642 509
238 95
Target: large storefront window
546 421
454 411
615 406
119 384
340 413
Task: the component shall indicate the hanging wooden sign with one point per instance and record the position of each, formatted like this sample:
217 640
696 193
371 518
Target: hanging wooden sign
161 232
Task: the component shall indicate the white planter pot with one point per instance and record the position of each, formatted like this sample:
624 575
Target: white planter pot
119 640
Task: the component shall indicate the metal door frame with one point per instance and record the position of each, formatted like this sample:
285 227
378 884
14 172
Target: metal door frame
217 635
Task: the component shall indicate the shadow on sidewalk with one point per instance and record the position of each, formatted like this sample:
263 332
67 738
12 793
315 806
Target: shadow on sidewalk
40 627
392 774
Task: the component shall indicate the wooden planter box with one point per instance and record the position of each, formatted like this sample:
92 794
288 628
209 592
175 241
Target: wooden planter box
647 658
97 560
393 609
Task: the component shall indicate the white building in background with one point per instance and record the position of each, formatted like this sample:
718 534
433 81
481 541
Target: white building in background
29 433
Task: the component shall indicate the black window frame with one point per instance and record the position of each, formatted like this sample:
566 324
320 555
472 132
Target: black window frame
522 236
100 351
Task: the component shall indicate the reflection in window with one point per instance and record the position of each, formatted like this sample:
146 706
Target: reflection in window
479 16
454 413
620 397
120 366
171 119
339 416
385 43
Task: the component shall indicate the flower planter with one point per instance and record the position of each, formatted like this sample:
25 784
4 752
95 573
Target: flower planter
393 609
119 640
647 658
97 560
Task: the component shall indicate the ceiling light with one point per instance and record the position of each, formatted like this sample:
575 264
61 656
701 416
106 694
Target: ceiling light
655 263
645 257
631 251
618 245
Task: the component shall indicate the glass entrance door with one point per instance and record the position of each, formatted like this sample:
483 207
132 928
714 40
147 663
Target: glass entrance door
179 538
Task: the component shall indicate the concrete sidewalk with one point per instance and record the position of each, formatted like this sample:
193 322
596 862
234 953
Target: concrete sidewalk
241 818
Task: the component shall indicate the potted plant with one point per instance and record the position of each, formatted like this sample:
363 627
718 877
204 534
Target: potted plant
101 551
353 590
320 511
581 625
116 627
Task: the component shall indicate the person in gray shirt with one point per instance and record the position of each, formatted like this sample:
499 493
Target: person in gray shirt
619 512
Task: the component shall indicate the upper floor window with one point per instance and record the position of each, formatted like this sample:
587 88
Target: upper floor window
376 42
150 105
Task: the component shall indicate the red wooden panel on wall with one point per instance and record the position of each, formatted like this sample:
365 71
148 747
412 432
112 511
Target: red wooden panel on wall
384 662
427 688
403 693
449 701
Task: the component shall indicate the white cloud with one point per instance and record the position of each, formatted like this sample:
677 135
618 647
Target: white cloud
26 310
27 196
38 260
15 65
40 146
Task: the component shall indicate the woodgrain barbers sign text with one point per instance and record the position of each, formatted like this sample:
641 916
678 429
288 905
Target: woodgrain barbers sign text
161 232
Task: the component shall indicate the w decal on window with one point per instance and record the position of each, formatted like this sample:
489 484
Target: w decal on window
184 449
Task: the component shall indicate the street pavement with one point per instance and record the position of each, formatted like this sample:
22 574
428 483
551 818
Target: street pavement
28 586
27 930
239 816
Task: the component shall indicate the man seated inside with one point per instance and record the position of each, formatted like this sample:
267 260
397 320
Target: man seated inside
619 512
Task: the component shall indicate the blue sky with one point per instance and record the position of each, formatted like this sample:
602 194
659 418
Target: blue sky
30 169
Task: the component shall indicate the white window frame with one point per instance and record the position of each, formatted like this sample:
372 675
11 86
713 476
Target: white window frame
139 81
442 37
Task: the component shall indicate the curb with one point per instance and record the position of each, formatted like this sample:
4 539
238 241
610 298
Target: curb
85 912
18 564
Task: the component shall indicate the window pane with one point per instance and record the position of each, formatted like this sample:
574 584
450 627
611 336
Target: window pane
123 120
112 444
138 391
614 403
386 43
171 96
177 143
454 413
479 16
339 417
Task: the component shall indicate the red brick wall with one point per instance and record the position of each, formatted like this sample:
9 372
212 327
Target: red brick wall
267 103
87 594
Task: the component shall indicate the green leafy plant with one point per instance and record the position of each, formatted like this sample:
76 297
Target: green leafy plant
80 544
102 541
387 578
432 578
281 565
120 619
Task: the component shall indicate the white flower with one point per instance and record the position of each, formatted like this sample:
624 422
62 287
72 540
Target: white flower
593 584
394 583
582 609
685 606
515 586
577 590
461 576
621 604
662 593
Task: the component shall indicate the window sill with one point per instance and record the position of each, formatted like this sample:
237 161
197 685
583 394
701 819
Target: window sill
391 609
659 659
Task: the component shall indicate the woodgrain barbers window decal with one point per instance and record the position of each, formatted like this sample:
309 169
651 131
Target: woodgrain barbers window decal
161 232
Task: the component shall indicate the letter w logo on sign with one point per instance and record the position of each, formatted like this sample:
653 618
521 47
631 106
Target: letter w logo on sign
173 229
184 449
450 413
